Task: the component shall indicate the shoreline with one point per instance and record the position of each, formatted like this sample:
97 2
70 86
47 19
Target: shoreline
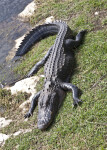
12 29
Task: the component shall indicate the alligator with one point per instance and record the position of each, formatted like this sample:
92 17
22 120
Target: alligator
58 65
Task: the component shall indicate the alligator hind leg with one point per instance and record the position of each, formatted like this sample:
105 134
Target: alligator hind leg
33 105
39 64
75 90
79 37
70 43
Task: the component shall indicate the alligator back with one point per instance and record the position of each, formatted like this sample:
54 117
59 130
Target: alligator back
59 61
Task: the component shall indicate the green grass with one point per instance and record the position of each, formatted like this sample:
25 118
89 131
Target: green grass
10 103
83 128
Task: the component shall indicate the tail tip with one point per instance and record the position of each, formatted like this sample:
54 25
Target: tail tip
15 58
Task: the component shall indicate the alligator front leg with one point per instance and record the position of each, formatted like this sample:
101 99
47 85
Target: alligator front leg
33 105
75 90
39 64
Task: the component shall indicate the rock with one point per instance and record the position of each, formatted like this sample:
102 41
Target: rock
18 41
28 11
42 75
49 19
26 85
96 13
22 131
3 138
4 122
24 106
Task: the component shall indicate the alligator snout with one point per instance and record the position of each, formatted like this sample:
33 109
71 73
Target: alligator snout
44 120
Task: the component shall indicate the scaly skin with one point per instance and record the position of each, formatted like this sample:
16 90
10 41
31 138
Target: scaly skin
59 62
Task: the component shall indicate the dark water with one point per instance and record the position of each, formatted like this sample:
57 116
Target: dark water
11 28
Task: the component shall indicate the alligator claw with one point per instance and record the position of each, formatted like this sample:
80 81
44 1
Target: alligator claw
28 76
27 115
84 31
77 102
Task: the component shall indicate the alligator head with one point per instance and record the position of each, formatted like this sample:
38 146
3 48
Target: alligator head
49 101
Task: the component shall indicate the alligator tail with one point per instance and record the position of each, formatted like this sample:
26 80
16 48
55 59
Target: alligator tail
34 36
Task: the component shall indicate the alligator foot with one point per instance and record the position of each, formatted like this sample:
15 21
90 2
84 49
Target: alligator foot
27 115
77 102
75 90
